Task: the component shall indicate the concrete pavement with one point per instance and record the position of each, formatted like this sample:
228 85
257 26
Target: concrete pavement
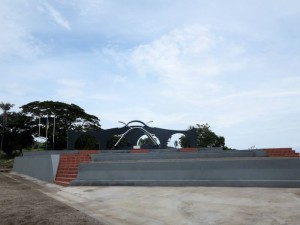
182 205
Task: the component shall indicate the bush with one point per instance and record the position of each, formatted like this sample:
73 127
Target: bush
7 161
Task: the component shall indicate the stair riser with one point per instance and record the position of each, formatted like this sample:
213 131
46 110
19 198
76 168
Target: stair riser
59 176
68 166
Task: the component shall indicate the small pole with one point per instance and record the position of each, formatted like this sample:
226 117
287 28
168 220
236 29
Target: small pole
47 125
53 132
39 126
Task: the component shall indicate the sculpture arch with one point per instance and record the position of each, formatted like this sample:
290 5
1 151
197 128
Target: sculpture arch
133 133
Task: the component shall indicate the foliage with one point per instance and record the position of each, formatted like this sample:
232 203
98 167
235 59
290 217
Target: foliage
6 161
205 138
184 142
38 146
147 142
86 142
5 107
67 117
17 133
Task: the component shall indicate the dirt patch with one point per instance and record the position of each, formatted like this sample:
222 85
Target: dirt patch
23 204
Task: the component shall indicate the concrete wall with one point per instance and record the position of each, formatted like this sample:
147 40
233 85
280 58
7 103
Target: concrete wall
257 172
58 152
43 167
172 155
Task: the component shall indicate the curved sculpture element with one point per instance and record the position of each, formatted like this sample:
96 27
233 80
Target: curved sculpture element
136 127
133 133
135 121
139 128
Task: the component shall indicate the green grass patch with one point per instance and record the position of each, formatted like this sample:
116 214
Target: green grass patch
6 162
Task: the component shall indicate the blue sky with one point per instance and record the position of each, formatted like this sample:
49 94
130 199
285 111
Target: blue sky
232 64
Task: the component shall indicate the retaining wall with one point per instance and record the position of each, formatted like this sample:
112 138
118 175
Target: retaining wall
40 166
178 155
252 172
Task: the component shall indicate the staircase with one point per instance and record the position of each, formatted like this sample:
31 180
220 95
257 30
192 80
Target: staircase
68 166
281 152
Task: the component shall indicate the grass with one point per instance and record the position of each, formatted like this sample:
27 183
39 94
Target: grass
6 162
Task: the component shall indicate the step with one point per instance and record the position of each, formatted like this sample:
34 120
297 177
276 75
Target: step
64 179
139 151
62 173
68 166
67 171
62 183
66 176
188 150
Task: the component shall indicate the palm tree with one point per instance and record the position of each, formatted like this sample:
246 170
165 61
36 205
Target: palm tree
5 107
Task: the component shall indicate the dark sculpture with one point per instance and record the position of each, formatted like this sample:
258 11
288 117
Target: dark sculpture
132 134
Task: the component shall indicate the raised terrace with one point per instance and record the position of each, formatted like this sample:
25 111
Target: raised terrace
277 167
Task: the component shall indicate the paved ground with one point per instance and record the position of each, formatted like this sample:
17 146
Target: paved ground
165 205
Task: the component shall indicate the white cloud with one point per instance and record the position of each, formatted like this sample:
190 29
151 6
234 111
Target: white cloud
70 89
57 16
188 59
119 79
15 39
147 61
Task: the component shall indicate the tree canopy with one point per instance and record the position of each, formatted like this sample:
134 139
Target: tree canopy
146 142
66 117
17 133
5 108
205 138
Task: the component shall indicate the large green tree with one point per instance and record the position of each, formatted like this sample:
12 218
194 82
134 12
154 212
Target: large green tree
52 117
5 108
17 134
205 138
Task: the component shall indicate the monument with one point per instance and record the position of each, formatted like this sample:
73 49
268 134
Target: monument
160 166
132 131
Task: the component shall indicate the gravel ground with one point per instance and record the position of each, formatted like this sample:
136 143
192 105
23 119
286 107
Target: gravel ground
22 203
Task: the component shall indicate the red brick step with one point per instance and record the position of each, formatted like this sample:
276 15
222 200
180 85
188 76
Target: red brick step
68 166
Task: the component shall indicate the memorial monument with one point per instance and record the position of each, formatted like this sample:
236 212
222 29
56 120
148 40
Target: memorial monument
159 165
132 131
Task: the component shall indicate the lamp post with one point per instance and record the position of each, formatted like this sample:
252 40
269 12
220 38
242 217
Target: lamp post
47 127
53 134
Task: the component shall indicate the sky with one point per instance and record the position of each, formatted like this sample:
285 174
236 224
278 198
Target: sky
234 64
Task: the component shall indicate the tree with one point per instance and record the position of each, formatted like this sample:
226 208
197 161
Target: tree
5 107
87 142
176 143
17 134
67 117
146 142
184 142
205 138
